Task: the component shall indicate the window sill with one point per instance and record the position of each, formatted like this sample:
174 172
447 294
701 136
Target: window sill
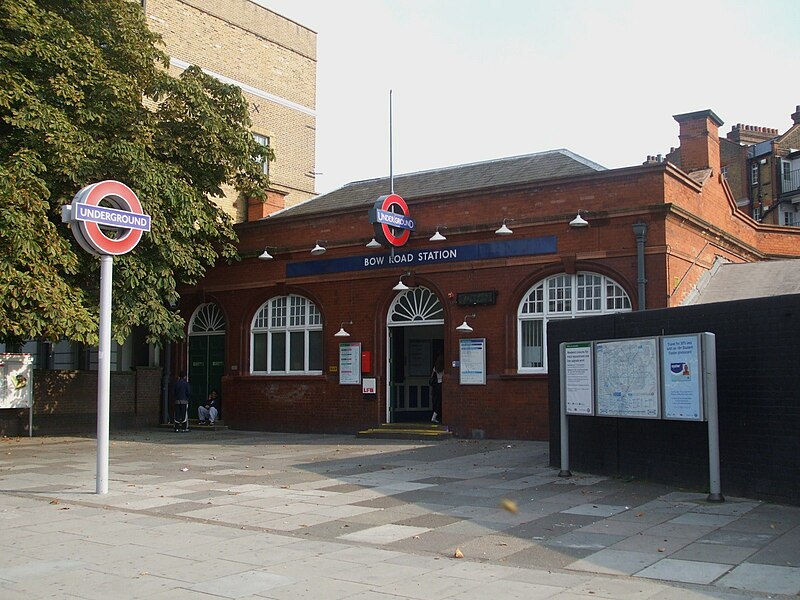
535 376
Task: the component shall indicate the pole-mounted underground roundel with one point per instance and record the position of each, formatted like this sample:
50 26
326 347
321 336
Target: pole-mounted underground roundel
390 221
124 217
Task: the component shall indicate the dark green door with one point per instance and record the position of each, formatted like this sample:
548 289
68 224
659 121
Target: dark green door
206 367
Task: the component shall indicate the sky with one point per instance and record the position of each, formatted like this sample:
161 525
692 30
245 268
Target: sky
477 80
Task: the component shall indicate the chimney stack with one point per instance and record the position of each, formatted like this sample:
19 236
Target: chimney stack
796 115
699 135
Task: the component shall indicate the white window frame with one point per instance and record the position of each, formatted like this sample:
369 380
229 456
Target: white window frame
291 320
754 173
263 140
563 296
757 213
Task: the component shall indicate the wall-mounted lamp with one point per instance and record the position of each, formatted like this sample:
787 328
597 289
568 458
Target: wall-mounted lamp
503 229
400 286
342 332
465 326
373 243
578 221
318 248
265 255
438 237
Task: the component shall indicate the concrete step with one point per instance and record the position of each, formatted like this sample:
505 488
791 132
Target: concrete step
407 431
218 425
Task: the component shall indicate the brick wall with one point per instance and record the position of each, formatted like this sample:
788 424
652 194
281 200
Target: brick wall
257 47
758 345
66 402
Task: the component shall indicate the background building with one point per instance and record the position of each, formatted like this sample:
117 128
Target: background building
274 62
762 168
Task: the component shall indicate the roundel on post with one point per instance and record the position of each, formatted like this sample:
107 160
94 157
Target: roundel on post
391 221
124 218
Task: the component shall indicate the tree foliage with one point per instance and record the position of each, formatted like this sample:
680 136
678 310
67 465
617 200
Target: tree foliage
85 96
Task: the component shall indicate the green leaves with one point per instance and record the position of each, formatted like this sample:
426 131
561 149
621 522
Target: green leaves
85 96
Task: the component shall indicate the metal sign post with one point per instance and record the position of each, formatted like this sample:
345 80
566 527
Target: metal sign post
88 218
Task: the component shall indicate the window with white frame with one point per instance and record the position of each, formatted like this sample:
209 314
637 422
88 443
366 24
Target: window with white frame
561 297
263 140
286 337
754 173
757 213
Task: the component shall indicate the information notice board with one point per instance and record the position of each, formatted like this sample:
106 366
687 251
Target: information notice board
627 380
472 362
682 371
350 363
578 374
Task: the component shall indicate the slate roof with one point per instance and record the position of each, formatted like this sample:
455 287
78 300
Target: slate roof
552 164
741 281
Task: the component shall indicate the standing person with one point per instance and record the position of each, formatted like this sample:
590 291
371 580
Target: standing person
181 392
210 411
436 388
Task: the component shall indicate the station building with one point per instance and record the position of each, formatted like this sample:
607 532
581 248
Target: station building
498 250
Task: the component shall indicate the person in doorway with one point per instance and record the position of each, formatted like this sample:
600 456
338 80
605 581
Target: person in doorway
436 388
209 412
181 392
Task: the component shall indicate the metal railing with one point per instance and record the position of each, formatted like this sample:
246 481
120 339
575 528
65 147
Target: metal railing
790 182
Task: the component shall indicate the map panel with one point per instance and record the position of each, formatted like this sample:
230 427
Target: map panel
627 378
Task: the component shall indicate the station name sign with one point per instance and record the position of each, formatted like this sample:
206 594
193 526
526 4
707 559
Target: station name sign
408 258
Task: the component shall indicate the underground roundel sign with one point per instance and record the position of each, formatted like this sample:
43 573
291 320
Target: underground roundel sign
107 218
390 221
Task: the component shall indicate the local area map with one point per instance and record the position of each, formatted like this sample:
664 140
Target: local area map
627 378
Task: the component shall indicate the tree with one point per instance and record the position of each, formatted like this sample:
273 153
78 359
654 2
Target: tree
85 96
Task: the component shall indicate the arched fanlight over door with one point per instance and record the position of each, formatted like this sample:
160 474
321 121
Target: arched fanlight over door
207 319
417 306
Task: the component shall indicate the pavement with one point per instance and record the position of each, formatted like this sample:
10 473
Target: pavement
230 514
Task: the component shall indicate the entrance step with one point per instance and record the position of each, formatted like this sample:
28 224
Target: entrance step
194 425
407 431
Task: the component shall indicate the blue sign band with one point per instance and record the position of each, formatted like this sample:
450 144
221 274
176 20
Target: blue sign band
111 217
424 256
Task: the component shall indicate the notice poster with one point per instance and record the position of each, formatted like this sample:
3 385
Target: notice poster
350 363
681 373
627 378
16 385
578 379
472 362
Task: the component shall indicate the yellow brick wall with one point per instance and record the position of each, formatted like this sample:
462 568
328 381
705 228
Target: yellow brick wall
252 45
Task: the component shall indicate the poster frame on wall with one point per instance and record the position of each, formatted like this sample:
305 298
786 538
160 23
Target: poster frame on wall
472 361
350 363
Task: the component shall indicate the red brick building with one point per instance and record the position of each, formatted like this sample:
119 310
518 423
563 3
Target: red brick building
264 329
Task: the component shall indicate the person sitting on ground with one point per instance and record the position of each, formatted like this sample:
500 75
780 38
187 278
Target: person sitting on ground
209 412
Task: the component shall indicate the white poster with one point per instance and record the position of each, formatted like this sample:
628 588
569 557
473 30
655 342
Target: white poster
578 378
473 362
350 363
681 373
16 387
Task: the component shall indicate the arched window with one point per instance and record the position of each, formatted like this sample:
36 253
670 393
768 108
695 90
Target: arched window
286 337
561 297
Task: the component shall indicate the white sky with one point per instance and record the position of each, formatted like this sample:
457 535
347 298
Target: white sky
475 80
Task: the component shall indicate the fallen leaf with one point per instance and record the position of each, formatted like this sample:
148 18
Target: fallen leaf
639 514
458 553
662 549
54 502
509 505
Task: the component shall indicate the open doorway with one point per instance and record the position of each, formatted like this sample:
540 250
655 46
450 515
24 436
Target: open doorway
415 339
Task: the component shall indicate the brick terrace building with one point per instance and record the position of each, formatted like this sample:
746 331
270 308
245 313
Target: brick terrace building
762 169
653 230
274 62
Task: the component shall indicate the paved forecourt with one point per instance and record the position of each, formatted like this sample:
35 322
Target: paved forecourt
280 516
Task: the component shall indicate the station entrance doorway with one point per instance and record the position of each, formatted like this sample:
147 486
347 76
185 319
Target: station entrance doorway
415 337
